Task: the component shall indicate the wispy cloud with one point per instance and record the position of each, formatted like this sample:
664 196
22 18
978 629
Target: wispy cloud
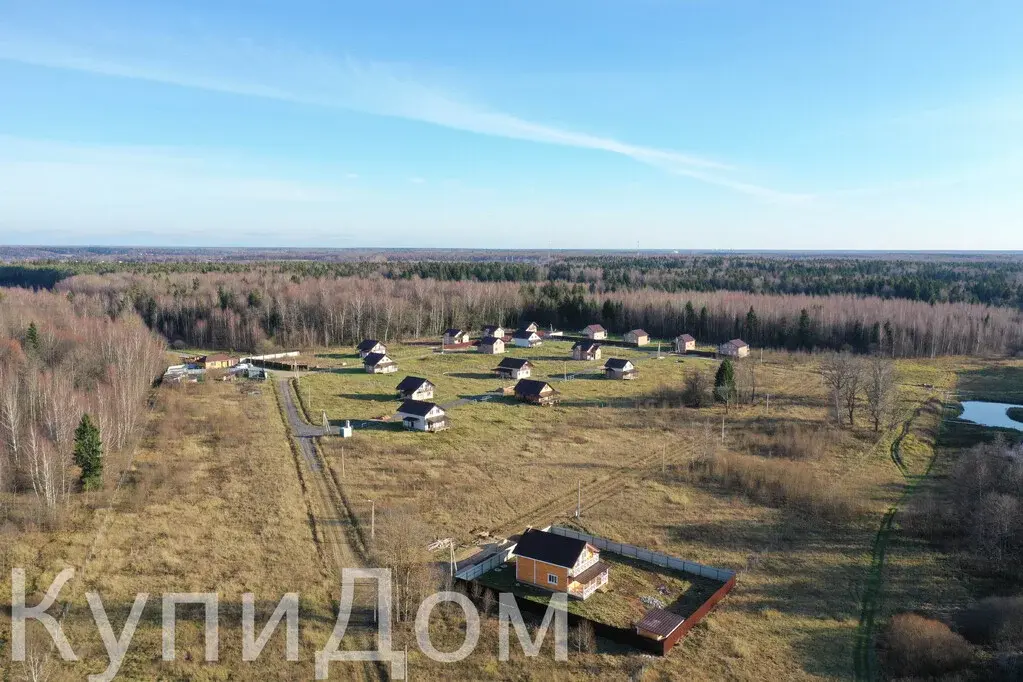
324 80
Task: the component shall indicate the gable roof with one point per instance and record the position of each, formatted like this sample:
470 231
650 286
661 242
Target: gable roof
411 384
524 334
368 344
419 408
373 359
490 340
617 363
531 387
686 337
453 332
514 363
639 332
216 357
586 345
549 548
737 343
490 328
594 328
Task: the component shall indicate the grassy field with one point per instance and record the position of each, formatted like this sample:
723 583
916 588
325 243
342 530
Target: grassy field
619 603
213 503
504 465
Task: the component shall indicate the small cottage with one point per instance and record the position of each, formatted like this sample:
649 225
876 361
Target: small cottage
736 348
217 361
370 346
638 337
491 345
415 388
494 330
586 350
617 368
594 332
514 368
532 327
684 342
418 415
525 338
379 363
455 336
536 392
559 564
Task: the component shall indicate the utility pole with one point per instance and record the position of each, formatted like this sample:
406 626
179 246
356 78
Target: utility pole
326 424
342 462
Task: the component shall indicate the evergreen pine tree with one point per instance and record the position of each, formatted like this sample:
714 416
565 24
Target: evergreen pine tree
88 453
724 382
805 332
32 336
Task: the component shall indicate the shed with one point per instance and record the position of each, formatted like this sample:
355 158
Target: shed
659 624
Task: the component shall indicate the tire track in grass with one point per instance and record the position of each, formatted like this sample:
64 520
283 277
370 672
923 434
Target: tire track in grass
864 660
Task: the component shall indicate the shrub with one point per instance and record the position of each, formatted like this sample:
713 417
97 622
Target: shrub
915 646
995 621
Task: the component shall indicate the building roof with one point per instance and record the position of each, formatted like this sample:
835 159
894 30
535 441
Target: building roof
419 408
453 332
639 332
490 328
550 548
523 334
514 363
686 337
216 357
592 572
373 359
586 345
594 328
617 363
660 622
490 340
412 384
531 387
368 344
737 343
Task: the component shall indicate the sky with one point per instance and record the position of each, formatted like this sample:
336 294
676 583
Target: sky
652 124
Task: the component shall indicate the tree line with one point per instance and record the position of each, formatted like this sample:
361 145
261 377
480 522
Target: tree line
262 308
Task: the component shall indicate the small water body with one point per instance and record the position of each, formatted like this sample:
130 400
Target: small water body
990 414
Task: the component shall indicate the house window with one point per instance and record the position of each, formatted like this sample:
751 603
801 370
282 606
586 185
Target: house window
552 579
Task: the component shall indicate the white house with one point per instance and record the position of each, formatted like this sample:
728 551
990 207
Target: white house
526 338
455 336
617 368
415 388
514 368
370 346
418 415
379 363
494 330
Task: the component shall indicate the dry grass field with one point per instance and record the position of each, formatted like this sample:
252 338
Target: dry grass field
504 465
213 503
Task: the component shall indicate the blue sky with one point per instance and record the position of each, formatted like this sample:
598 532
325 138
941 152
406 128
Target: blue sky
683 124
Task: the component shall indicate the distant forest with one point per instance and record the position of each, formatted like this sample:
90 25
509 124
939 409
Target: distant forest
995 281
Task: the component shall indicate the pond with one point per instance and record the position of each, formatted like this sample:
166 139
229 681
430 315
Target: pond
990 414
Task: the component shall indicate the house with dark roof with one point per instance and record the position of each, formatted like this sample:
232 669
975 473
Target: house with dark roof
455 336
684 342
536 392
415 388
618 368
514 368
419 415
491 345
559 564
586 350
594 332
370 346
494 330
736 348
379 363
526 338
637 336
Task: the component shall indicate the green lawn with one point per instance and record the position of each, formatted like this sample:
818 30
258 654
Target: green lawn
619 603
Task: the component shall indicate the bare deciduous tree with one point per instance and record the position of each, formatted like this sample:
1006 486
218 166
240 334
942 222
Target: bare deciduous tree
879 389
838 371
